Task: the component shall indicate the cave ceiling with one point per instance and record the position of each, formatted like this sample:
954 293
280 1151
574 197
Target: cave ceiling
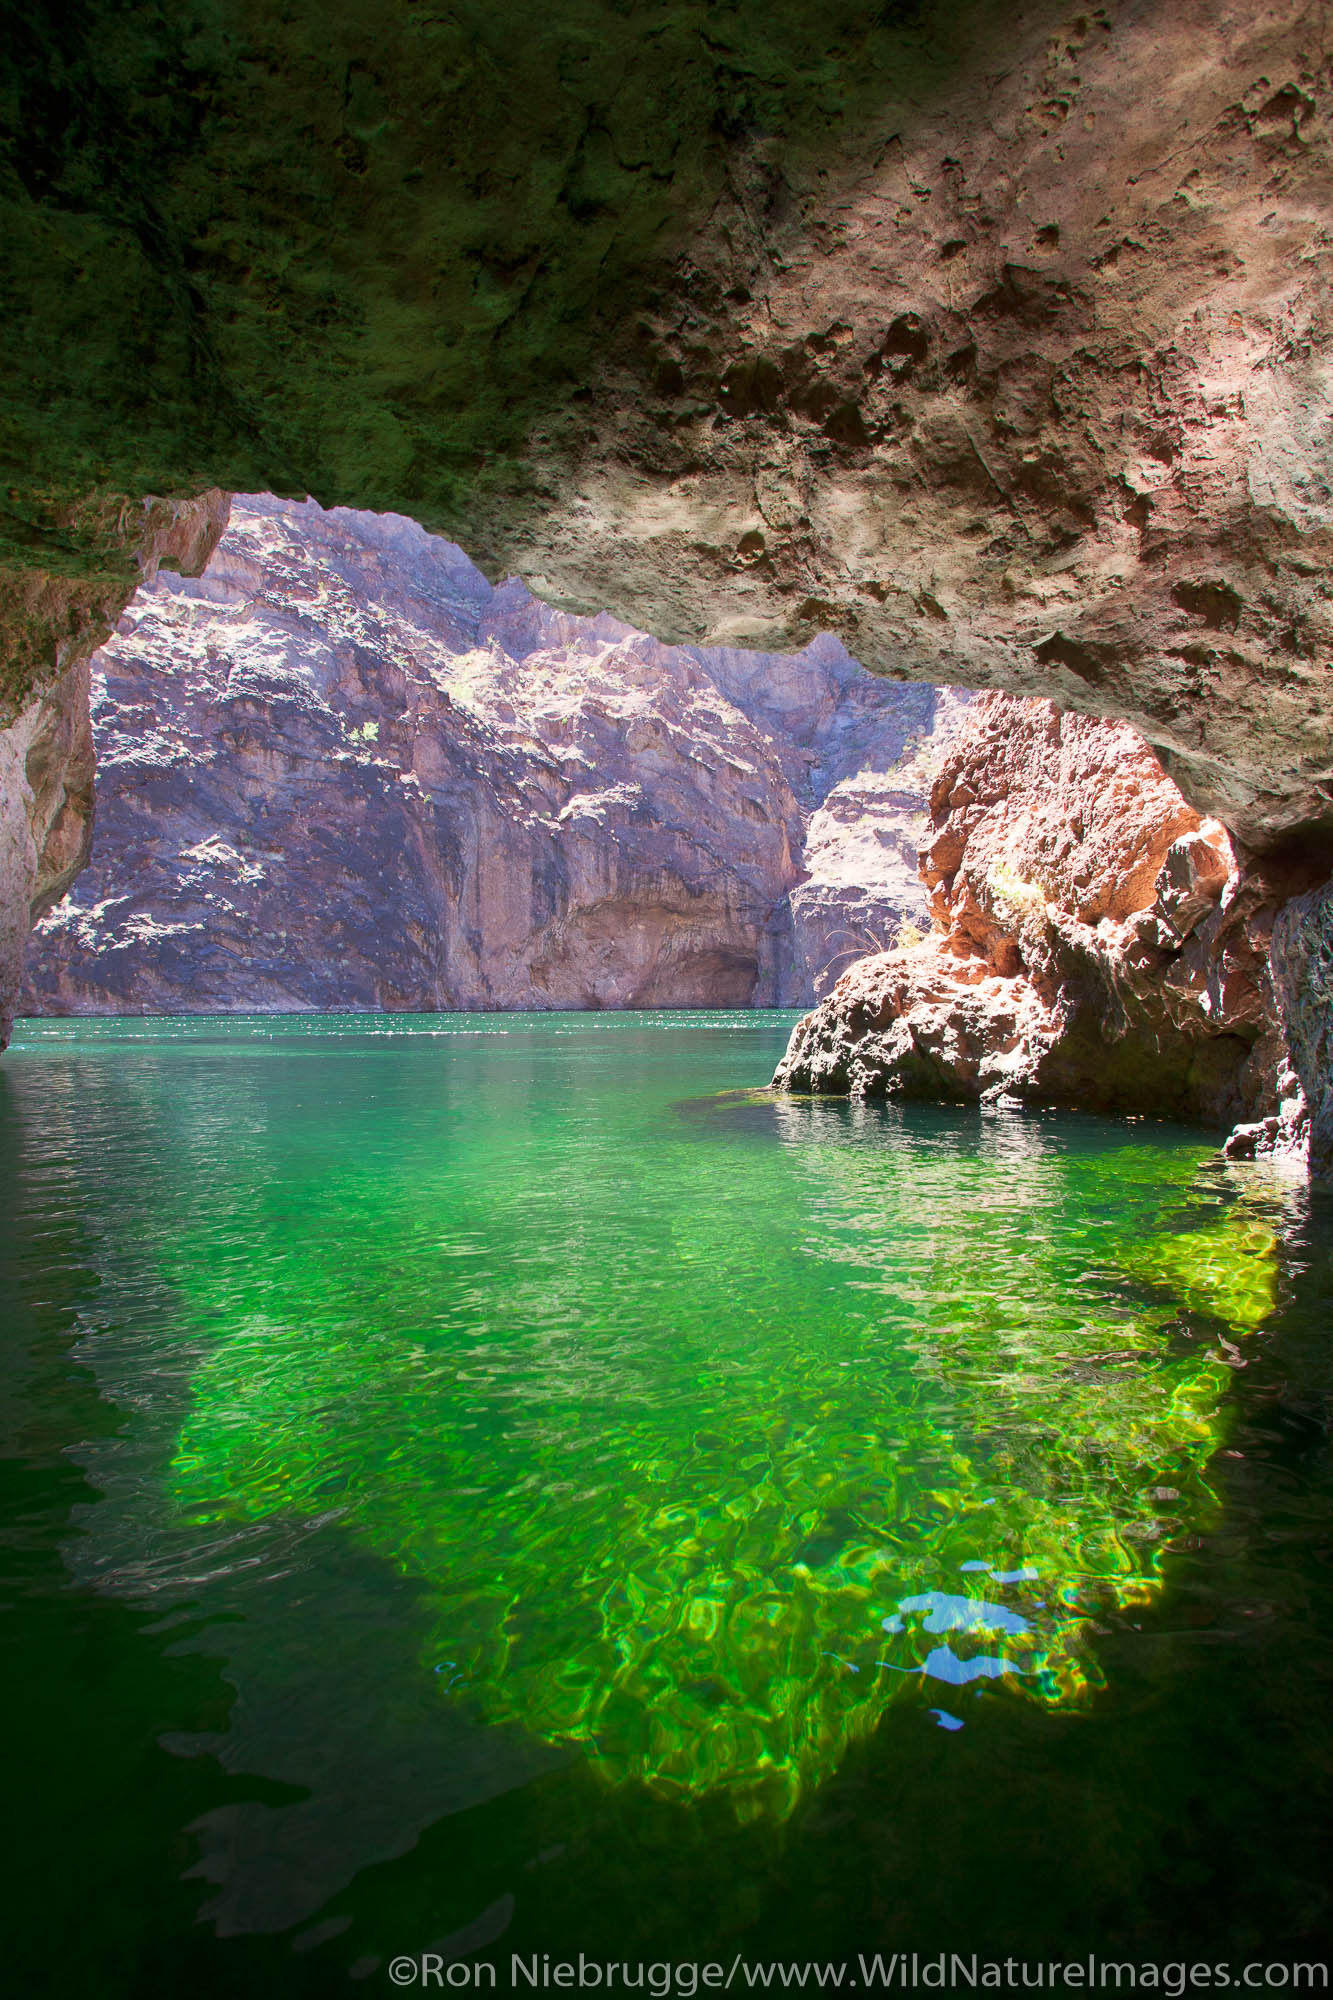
993 337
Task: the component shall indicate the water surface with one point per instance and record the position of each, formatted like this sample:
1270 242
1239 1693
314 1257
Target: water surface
509 1480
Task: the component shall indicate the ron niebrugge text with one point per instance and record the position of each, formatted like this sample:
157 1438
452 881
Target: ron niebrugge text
952 1971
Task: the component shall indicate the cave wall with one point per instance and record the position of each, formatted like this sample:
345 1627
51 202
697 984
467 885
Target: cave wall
389 254
993 338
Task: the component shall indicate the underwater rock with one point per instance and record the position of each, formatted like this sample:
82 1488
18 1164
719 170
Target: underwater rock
1095 942
343 771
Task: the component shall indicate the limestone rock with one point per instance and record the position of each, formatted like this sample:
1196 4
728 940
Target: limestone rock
1095 941
344 771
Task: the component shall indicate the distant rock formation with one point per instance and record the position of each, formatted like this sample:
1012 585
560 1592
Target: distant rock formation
1094 943
343 771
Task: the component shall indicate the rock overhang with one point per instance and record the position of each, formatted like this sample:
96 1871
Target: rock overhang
990 337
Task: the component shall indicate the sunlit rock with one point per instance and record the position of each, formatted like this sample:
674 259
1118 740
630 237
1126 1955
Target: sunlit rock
344 771
1094 943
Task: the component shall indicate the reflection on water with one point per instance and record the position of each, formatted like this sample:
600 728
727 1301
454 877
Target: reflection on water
495 1398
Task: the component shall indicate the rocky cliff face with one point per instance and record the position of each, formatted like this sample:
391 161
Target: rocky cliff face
992 337
341 770
1302 973
1094 942
46 748
1040 400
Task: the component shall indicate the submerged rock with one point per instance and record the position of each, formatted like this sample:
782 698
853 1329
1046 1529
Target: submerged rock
1095 941
344 771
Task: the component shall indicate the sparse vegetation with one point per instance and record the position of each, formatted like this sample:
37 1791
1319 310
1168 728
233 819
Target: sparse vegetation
866 944
1012 889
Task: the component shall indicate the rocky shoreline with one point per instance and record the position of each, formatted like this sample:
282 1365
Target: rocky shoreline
1094 942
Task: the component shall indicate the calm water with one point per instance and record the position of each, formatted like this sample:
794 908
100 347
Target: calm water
506 1484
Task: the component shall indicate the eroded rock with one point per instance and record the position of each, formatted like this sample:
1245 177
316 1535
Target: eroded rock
46 749
1302 965
992 338
1095 943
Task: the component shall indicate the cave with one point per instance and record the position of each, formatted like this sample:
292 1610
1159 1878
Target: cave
905 324
501 1488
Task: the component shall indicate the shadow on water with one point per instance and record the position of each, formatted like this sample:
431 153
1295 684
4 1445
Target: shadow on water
234 1773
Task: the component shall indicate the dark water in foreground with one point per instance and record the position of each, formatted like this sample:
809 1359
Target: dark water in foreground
503 1484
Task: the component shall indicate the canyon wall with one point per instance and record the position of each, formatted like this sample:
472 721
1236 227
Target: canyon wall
1094 943
342 770
47 756
992 338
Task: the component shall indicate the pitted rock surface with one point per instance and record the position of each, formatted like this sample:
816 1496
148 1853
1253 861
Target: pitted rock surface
1095 942
993 338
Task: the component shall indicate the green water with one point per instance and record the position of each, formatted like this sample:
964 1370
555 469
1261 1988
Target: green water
509 1480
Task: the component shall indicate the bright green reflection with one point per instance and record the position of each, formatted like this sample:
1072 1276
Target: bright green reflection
673 1405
